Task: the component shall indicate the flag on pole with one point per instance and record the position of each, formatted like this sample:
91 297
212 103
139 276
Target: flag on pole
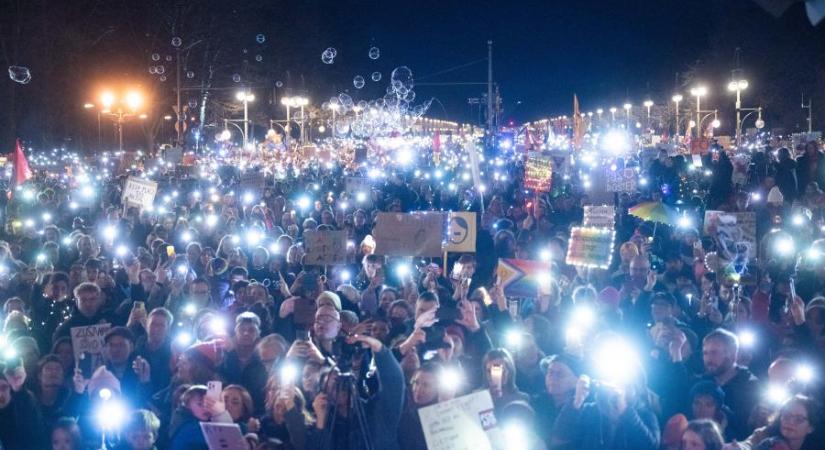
22 172
578 125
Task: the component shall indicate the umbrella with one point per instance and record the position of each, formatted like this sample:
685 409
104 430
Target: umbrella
656 212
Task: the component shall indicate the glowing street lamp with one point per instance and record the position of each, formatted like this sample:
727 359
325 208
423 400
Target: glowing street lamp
698 92
738 86
613 113
627 107
110 104
245 97
676 99
334 107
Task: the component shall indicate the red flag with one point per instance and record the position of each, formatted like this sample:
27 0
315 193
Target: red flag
22 172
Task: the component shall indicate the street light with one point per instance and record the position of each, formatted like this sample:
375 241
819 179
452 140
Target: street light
676 99
334 107
627 107
245 97
738 86
698 92
301 102
599 113
113 106
613 113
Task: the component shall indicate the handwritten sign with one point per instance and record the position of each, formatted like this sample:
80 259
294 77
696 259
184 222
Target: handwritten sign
354 185
599 216
590 247
417 234
139 192
223 436
463 423
461 232
622 180
538 172
253 180
89 340
734 233
325 247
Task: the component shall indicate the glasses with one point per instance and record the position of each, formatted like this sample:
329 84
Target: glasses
796 419
326 318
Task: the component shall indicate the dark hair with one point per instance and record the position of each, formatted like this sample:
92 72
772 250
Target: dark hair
143 419
508 385
69 425
123 332
725 337
709 432
814 410
428 297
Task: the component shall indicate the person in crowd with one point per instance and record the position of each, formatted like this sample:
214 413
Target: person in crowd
793 426
702 434
65 435
195 407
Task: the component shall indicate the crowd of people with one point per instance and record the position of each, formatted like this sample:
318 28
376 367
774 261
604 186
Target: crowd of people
214 318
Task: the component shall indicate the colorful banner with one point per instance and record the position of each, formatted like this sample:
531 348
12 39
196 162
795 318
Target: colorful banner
520 277
538 172
590 247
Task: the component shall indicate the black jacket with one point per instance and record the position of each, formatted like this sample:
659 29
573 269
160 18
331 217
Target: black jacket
21 426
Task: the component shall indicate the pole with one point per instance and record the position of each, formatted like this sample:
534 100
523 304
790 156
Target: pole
490 87
677 122
288 128
99 138
245 120
302 124
738 118
120 131
698 117
178 124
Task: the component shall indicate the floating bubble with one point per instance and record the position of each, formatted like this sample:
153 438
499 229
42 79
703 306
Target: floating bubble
193 103
279 83
260 38
163 78
153 70
328 56
376 76
358 82
374 53
190 74
245 51
346 101
236 78
168 58
176 41
20 74
259 58
160 70
402 77
155 57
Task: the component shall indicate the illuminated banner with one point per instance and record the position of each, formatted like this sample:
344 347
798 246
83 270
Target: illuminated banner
538 172
590 247
520 277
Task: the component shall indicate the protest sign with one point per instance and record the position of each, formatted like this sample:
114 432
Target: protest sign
463 423
621 180
599 216
520 277
590 247
461 232
223 436
538 172
325 247
87 342
354 185
253 180
419 234
139 192
734 233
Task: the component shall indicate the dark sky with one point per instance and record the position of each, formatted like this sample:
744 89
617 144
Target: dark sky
544 51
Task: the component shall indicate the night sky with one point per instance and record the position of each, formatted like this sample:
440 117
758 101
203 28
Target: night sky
607 52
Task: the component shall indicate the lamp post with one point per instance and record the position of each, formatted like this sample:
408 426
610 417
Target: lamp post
599 114
120 109
627 107
245 97
613 114
676 99
301 102
648 104
738 86
699 92
334 107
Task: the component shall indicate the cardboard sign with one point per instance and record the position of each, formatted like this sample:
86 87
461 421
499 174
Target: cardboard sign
418 234
89 340
325 247
599 216
538 172
354 185
735 234
622 180
520 277
463 423
253 180
590 247
461 232
223 436
139 192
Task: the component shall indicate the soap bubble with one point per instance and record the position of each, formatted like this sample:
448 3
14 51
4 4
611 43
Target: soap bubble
260 38
176 41
155 57
20 74
160 70
193 103
153 70
279 83
163 78
358 82
402 78
236 78
346 101
374 53
259 58
376 76
169 58
328 57
190 74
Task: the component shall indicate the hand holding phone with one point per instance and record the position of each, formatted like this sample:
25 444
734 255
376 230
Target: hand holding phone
214 389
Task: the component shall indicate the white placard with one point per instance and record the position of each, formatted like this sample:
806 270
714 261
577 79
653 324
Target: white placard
139 192
463 423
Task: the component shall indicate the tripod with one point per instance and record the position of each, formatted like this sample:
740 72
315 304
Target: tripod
347 382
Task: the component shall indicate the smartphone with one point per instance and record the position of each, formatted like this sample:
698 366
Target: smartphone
214 389
302 335
139 305
170 251
458 269
84 363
